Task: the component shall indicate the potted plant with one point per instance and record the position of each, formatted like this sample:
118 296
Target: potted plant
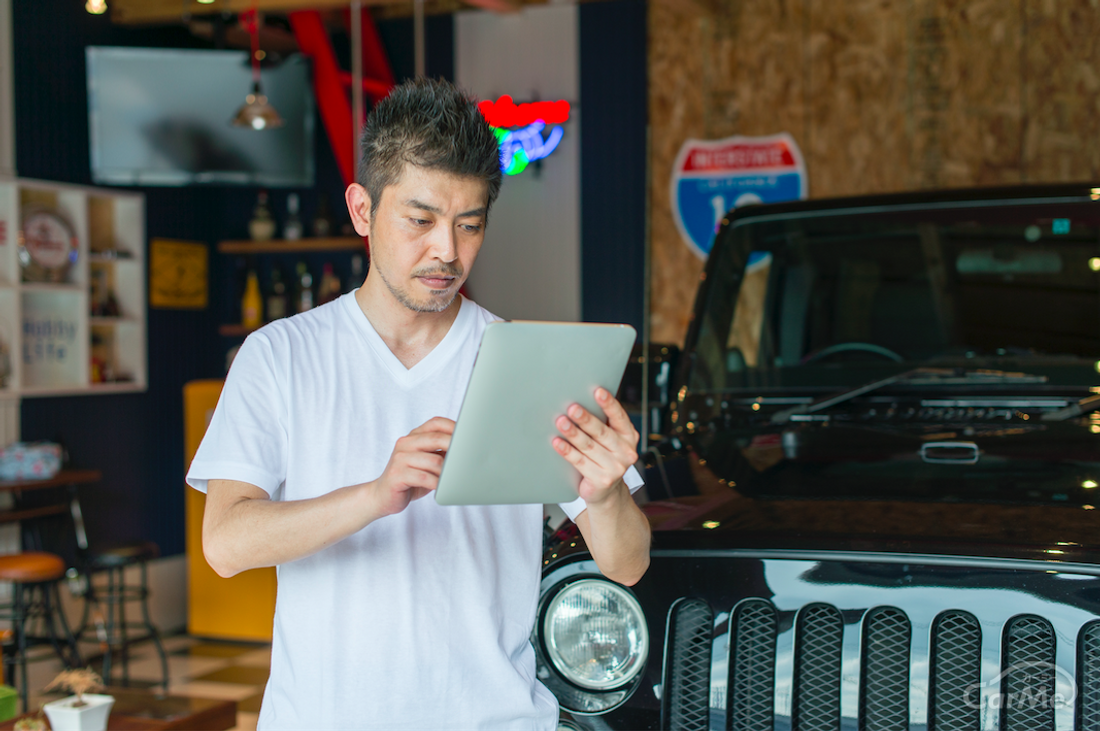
82 711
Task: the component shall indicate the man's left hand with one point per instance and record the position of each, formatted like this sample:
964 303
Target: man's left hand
601 452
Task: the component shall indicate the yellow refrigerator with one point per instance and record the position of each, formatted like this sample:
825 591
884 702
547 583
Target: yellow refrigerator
238 608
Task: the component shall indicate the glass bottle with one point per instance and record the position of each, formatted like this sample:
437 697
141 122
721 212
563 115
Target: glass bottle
252 305
262 225
292 229
276 296
322 224
329 287
356 271
303 295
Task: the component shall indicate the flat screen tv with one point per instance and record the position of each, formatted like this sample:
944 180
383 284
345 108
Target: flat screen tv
160 116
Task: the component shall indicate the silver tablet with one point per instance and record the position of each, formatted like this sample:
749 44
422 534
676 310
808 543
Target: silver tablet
525 376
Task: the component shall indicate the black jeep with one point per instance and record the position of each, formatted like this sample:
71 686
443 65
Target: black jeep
874 501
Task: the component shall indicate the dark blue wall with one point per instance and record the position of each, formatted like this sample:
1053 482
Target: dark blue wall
613 160
137 439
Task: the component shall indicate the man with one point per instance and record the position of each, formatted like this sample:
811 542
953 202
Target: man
394 612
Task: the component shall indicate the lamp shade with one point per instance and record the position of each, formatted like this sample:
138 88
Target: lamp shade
256 112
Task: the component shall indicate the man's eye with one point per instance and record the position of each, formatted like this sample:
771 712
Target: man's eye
471 228
420 221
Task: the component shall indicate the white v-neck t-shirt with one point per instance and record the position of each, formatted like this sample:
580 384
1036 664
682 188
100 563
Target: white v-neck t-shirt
421 620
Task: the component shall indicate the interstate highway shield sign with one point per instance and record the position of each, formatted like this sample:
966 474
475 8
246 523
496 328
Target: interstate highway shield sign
711 177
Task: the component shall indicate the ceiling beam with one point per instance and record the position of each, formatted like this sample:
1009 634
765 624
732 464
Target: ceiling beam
136 12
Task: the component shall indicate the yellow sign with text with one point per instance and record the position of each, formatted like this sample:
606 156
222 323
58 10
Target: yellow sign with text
178 275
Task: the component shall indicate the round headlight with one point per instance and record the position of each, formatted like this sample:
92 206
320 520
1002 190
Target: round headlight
595 634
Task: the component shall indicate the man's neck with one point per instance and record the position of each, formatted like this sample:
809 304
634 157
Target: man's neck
409 335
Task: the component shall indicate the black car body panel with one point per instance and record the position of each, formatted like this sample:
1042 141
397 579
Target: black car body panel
874 502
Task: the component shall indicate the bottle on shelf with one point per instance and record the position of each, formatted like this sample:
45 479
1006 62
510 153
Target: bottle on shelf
276 296
99 371
292 229
303 294
356 271
252 305
104 302
262 225
322 222
329 287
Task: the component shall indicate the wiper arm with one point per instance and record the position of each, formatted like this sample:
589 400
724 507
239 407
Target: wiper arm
1085 405
916 376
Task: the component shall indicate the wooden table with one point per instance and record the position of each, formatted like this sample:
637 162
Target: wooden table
67 479
142 710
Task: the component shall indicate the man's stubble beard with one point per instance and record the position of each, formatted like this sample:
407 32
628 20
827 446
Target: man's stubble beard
435 304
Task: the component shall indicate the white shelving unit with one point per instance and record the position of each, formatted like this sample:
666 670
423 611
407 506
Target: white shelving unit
54 344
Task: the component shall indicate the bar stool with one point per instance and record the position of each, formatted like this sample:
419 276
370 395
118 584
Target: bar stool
33 576
104 616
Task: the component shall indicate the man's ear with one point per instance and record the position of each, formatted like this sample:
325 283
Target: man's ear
358 200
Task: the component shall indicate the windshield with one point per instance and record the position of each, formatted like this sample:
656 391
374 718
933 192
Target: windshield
838 298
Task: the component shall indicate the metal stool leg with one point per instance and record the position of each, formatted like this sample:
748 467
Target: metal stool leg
74 660
18 620
109 601
123 638
153 632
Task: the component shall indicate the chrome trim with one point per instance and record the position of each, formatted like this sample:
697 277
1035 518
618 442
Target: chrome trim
970 447
1003 403
924 206
884 557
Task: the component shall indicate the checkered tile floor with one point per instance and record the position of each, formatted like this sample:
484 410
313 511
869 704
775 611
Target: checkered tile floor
199 668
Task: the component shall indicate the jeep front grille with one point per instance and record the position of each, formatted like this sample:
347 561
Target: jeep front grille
884 690
955 670
688 679
1029 669
752 667
818 644
755 700
1088 656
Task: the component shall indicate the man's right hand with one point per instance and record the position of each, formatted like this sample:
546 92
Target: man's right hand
244 529
414 467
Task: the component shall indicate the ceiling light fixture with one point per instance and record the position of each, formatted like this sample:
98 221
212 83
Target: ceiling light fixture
96 7
256 112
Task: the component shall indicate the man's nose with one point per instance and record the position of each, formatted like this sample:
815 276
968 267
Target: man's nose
444 244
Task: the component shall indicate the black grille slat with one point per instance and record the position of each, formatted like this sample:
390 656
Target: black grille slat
687 684
955 668
819 637
751 698
884 690
1088 678
1027 680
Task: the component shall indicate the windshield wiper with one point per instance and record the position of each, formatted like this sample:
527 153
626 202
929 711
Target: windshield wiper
1085 405
915 377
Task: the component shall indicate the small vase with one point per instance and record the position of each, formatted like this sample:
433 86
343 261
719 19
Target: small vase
92 716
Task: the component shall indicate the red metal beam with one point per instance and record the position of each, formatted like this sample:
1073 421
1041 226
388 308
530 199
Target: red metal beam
332 99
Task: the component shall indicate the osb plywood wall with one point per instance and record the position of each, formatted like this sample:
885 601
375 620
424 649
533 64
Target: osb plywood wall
881 95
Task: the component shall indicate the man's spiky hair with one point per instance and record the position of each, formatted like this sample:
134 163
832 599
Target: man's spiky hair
431 124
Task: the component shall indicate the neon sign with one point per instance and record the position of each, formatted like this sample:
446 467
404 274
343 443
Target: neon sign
520 147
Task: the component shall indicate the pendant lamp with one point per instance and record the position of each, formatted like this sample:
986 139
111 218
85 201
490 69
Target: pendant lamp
256 112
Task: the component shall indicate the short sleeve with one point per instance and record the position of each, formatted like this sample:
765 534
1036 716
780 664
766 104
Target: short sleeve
632 479
247 436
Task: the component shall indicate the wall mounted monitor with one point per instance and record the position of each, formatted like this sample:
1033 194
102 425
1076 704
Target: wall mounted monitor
161 117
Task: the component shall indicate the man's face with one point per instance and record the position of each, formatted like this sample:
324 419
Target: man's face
425 236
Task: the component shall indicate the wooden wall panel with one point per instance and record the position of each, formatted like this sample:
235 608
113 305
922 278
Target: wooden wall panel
882 95
856 131
1062 90
967 129
677 31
